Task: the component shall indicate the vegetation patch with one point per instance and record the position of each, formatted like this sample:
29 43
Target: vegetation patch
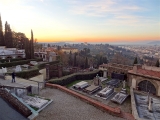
74 77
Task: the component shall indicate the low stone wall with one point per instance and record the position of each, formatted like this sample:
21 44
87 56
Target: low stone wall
133 105
20 107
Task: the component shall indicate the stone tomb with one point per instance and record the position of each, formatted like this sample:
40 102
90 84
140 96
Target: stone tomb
121 96
147 107
34 101
18 68
94 87
80 85
113 82
106 92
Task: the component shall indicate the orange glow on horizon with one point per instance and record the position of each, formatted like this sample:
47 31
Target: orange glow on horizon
99 39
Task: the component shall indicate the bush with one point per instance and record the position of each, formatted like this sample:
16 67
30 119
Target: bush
73 77
11 60
20 62
41 66
27 74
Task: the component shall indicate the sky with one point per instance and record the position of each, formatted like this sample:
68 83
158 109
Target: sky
84 20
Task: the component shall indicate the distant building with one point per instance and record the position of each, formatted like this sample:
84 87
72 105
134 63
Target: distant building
68 50
145 78
141 77
11 53
48 56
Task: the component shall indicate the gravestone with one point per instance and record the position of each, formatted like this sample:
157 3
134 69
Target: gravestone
18 68
104 73
97 81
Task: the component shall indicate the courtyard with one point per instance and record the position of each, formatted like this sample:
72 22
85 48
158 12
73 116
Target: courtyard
67 107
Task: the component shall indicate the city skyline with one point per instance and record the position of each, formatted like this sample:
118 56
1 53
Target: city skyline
84 21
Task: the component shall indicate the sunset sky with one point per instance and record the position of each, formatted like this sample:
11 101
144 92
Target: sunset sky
84 20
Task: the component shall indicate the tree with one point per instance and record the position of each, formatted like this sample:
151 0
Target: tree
157 63
86 63
19 40
31 46
75 61
49 45
27 48
135 61
1 34
8 36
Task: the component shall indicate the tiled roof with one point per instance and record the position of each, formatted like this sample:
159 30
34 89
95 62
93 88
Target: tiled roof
148 72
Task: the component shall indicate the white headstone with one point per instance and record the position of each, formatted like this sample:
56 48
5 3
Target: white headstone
18 68
124 84
4 70
105 74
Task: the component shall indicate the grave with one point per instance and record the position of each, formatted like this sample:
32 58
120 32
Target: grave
106 92
147 107
80 85
33 63
94 87
121 96
25 66
34 101
113 82
18 68
4 70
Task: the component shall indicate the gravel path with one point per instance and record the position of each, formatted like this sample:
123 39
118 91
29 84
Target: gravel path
67 107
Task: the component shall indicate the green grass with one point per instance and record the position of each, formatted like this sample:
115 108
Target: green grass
32 95
34 108
72 83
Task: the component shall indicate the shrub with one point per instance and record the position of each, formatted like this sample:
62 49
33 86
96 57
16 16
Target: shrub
73 77
20 62
27 74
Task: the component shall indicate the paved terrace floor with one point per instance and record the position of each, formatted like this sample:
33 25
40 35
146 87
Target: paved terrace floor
18 83
67 107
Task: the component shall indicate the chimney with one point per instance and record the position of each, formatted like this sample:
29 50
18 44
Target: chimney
135 69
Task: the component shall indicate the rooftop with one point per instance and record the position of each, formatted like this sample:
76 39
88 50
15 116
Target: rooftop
147 72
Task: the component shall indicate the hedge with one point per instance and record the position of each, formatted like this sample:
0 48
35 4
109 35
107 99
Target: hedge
11 60
21 62
73 77
41 66
27 74
32 72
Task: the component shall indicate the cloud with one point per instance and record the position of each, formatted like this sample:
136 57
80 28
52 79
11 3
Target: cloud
116 12
101 8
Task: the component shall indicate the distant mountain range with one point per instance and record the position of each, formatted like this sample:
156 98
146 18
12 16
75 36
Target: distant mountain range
154 43
157 42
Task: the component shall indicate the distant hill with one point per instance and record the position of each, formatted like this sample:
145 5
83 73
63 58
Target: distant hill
55 43
154 43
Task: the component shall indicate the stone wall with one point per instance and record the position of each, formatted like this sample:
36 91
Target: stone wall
19 106
53 71
134 80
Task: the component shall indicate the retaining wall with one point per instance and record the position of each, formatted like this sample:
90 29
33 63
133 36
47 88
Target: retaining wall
20 107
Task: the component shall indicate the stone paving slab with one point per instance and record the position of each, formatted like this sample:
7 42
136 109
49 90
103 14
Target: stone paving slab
67 107
9 82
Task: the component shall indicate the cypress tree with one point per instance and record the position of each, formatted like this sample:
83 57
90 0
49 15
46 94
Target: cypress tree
1 34
135 61
157 63
31 46
75 61
8 36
